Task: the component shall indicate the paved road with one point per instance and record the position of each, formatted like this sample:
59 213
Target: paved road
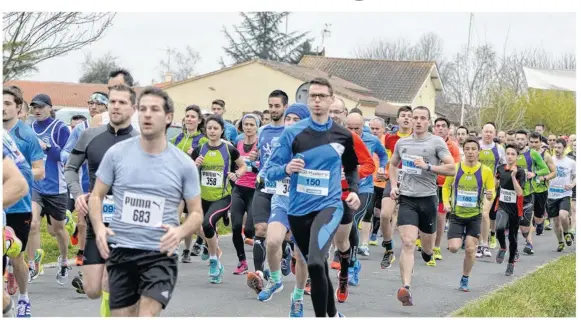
434 288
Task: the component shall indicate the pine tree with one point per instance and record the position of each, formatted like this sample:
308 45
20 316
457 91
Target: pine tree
259 36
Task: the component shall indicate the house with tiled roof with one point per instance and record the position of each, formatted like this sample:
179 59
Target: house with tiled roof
396 83
377 87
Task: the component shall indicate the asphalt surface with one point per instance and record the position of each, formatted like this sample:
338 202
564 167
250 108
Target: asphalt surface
434 289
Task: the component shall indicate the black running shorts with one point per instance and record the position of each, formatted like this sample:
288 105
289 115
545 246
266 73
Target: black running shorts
418 211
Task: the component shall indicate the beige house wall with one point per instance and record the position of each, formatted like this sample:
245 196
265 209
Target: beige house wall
244 89
426 97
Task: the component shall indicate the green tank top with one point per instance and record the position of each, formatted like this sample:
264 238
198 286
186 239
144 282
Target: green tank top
185 141
467 192
490 157
540 186
214 172
525 161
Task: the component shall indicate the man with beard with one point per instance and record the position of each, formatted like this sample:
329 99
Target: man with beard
97 104
534 166
261 202
461 137
560 193
541 183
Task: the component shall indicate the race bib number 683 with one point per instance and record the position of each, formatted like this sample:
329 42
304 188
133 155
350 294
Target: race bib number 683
142 210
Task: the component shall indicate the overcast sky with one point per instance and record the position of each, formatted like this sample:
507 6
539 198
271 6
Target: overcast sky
139 39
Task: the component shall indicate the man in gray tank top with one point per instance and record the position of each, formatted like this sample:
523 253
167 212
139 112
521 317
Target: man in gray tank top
423 156
149 178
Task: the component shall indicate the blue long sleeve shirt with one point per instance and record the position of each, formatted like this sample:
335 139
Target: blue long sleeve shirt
55 134
374 146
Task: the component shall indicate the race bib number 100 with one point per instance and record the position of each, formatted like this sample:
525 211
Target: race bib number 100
108 209
467 199
282 187
314 182
142 210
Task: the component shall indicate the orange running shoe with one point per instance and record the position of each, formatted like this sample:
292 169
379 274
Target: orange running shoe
308 287
342 292
75 237
79 260
249 242
254 280
405 297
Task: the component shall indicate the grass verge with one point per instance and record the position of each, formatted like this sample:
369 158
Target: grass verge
546 292
51 250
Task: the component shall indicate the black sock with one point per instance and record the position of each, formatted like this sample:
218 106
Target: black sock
426 257
284 245
80 252
376 225
492 234
407 287
259 253
388 245
345 260
464 277
199 240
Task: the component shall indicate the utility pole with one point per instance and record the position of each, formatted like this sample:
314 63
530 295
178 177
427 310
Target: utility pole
326 32
467 68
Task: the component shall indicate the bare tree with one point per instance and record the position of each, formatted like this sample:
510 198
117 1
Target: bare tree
33 37
181 64
430 47
399 49
97 70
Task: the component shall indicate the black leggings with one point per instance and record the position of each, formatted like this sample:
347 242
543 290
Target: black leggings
511 221
313 234
241 203
213 211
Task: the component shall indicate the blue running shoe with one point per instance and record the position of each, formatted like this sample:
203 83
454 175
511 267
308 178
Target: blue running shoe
218 278
354 274
214 268
23 309
464 285
269 290
285 264
340 315
205 253
296 308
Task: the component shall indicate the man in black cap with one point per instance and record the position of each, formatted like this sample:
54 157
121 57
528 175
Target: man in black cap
49 196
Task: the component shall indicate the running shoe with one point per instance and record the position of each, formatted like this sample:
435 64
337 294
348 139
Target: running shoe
186 256
486 252
62 275
216 277
296 308
464 285
561 247
437 253
539 229
196 250
308 287
568 239
75 237
285 263
336 264
479 252
500 256
364 250
373 240
78 283
249 242
548 225
214 270
509 269
388 259
11 285
419 244
79 260
38 267
342 292
242 268
70 224
23 309
205 253
354 274
269 290
340 315
404 295
432 262
255 280
528 249
492 242
293 265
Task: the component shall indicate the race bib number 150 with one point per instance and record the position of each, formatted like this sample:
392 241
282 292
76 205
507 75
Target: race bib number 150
314 182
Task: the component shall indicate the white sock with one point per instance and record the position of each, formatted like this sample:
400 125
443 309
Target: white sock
24 296
213 257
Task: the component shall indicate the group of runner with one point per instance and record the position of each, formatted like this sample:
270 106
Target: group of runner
315 177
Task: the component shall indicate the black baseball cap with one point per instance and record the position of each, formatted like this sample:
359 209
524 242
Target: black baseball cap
41 100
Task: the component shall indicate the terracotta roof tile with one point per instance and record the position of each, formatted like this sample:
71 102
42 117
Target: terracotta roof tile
62 94
391 81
